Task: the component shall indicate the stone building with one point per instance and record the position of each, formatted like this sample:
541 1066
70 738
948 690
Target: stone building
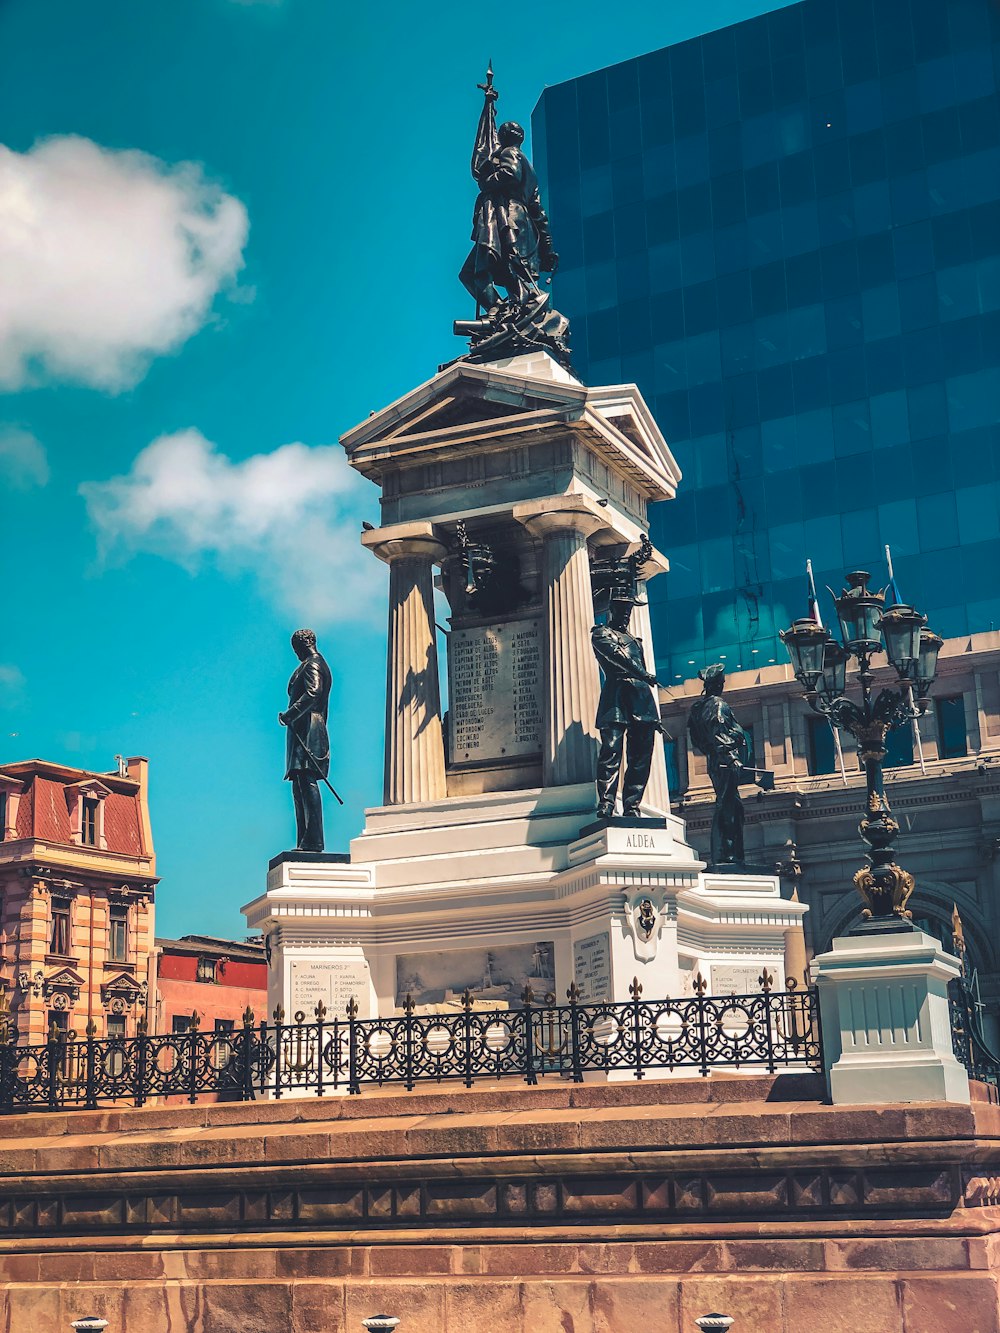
77 881
216 979
948 809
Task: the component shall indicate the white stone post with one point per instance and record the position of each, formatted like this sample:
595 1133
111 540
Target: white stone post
572 683
885 1022
657 795
414 742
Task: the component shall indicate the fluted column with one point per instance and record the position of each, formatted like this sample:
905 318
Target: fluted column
572 683
657 795
414 744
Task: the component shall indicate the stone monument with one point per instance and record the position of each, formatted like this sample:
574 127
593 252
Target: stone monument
510 489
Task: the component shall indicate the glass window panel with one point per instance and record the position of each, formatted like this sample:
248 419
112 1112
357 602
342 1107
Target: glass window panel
717 570
899 747
978 515
822 753
859 534
697 257
928 411
778 441
952 736
787 545
880 311
685 572
704 362
851 428
807 331
814 431
973 399
872 209
898 526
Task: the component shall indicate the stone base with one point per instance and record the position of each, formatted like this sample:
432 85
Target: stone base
885 1018
521 1210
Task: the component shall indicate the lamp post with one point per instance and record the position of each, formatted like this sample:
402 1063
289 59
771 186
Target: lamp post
868 627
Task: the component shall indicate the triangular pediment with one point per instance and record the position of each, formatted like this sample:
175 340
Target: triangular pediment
123 984
64 977
475 407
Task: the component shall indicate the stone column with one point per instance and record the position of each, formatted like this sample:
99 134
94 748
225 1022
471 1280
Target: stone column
657 795
572 685
414 744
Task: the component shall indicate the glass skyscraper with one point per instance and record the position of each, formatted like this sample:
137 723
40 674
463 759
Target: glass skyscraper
787 233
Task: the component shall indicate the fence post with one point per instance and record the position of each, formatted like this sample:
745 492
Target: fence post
766 982
55 1042
141 1060
700 987
246 1054
467 1003
353 1083
320 1012
193 1057
380 1323
527 999
8 1064
408 1008
573 995
714 1323
635 990
89 1324
91 1102
278 1016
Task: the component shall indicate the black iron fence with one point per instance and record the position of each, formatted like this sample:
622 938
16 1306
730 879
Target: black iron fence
768 1030
969 1041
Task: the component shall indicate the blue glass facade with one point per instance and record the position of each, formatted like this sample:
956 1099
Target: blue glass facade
787 233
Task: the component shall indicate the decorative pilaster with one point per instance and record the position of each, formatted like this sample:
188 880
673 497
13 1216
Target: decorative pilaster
572 683
657 795
414 743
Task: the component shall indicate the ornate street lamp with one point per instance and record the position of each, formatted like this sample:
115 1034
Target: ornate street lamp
868 627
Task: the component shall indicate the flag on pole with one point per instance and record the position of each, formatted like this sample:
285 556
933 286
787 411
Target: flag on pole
893 597
814 614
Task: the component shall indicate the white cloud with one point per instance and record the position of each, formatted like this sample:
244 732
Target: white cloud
11 677
22 459
292 517
108 259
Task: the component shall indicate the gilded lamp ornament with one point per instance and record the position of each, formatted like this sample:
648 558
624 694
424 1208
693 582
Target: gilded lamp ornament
870 623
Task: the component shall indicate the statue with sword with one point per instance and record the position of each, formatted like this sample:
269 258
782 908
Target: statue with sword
307 745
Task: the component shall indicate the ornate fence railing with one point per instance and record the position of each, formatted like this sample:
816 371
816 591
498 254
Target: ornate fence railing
769 1030
969 1041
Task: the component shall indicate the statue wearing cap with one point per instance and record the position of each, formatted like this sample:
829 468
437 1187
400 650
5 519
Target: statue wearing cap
628 715
716 734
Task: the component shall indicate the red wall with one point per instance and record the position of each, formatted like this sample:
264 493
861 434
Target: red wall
239 984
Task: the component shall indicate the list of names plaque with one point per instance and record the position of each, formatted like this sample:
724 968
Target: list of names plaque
334 981
592 969
495 692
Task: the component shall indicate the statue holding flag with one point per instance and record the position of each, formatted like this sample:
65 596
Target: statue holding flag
511 248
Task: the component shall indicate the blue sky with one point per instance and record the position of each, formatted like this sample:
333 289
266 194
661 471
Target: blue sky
238 314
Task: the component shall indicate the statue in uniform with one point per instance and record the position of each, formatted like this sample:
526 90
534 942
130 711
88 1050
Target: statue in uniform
628 715
307 745
716 734
511 248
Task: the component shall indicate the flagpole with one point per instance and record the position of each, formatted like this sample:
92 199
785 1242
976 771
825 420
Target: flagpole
814 612
914 722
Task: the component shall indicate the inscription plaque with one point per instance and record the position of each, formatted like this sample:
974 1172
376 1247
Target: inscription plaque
495 692
592 969
334 981
736 978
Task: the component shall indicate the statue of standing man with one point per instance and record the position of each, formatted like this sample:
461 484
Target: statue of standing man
716 734
307 744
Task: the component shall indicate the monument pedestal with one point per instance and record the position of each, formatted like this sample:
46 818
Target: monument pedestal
485 870
886 1027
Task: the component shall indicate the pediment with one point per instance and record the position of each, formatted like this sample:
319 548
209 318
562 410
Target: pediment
472 407
65 976
123 984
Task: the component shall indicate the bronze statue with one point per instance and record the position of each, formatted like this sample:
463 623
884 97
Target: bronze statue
628 716
307 745
716 734
511 247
